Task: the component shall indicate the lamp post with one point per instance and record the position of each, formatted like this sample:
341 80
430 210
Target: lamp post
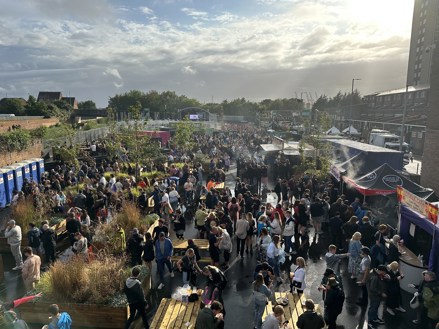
401 138
352 103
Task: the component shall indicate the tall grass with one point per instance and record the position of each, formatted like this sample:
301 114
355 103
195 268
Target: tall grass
129 217
24 213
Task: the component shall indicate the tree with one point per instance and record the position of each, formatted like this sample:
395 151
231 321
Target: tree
183 138
87 105
12 106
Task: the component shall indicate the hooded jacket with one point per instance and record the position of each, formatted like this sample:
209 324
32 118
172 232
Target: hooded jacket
133 291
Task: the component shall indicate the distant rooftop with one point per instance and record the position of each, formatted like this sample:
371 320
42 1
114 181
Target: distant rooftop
399 91
363 146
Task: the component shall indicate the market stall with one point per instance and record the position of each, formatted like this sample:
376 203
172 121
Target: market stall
418 227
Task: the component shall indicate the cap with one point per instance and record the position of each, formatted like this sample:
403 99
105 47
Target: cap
11 222
430 273
366 250
328 272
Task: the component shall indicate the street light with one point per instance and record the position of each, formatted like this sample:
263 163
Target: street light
352 101
401 138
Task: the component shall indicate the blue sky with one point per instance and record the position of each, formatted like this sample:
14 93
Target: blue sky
255 49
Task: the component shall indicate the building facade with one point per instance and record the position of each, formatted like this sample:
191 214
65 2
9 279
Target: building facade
423 41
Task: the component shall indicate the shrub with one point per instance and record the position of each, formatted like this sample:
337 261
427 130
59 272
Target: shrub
129 217
24 213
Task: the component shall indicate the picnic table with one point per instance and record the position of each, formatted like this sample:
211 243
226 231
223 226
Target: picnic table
293 310
202 244
173 314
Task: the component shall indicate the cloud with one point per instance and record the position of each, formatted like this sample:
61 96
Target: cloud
195 14
112 72
118 85
188 70
146 10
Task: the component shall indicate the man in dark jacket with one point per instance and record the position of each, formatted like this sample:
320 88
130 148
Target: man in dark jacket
367 233
310 319
135 248
377 293
210 318
72 226
136 298
48 238
333 302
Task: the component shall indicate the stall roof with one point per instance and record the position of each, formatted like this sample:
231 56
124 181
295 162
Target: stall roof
271 147
363 146
383 181
356 166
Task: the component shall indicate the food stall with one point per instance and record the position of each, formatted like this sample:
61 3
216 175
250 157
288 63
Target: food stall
418 227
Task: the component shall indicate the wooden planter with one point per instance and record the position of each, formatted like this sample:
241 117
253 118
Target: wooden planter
83 315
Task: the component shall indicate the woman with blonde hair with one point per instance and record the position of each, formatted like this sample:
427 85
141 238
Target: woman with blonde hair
250 232
354 258
273 256
298 276
394 299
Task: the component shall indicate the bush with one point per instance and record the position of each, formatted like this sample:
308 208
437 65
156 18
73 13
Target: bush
97 282
24 213
129 217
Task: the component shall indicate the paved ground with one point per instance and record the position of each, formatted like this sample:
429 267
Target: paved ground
238 297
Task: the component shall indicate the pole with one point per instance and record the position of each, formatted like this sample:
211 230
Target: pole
401 138
352 104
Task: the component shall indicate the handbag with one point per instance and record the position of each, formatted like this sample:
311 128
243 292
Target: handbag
297 284
414 302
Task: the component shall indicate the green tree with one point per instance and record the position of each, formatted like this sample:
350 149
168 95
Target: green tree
87 105
12 106
183 138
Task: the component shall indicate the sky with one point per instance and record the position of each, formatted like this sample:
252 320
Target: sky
204 49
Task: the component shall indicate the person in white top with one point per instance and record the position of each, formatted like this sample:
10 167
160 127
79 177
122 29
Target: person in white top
288 232
275 225
298 276
273 256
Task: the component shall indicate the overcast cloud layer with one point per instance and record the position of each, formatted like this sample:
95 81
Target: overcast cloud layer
202 48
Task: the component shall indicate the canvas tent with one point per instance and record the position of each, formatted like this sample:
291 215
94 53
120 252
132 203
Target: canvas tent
333 131
356 166
351 131
382 181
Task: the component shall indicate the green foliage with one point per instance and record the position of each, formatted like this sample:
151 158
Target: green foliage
87 105
183 138
12 106
15 140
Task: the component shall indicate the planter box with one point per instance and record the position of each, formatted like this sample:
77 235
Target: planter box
5 248
59 228
83 315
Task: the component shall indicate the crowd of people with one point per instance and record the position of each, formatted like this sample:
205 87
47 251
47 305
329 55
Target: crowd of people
309 219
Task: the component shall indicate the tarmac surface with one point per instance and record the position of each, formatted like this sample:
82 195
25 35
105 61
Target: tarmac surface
237 296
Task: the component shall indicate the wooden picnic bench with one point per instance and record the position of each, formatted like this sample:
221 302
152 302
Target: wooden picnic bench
173 314
202 244
293 310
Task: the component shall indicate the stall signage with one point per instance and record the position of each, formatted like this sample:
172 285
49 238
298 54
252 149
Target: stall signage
418 204
392 181
368 178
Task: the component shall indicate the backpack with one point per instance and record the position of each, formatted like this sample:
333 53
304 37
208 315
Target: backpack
34 238
64 322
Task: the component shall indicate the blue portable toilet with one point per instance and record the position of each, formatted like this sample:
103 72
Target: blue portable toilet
33 170
2 192
39 163
17 172
25 169
8 181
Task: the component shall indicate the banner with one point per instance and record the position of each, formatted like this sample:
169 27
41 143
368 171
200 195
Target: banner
417 204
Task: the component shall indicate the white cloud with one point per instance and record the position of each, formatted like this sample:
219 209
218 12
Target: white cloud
189 70
146 10
118 85
112 72
195 14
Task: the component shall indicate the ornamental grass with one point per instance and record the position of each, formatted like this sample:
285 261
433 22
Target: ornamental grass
129 217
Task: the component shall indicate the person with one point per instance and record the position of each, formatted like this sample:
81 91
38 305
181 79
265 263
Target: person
376 286
48 239
33 237
80 247
189 267
333 259
354 254
275 225
267 272
329 273
134 247
367 232
210 317
163 250
298 276
13 234
333 302
428 295
317 212
288 232
226 246
261 294
158 229
394 299
393 251
214 242
364 271
310 319
250 232
349 228
273 251
136 299
263 243
31 269
148 251
273 320
335 228
72 226
191 244
242 227
58 320
200 217
216 283
12 321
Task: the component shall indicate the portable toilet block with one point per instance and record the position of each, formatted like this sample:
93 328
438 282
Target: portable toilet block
17 172
39 162
8 181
